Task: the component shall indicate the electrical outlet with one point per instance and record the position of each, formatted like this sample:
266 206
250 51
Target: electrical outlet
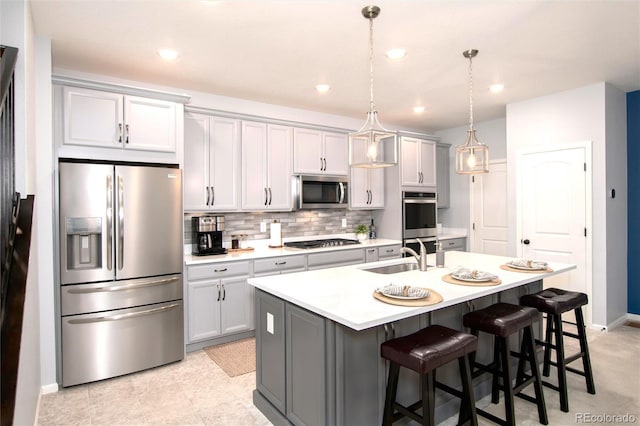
263 226
344 222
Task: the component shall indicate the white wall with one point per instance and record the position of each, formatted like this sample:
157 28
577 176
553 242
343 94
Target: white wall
17 31
563 118
493 134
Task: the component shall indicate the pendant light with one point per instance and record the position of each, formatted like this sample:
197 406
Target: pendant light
372 146
473 156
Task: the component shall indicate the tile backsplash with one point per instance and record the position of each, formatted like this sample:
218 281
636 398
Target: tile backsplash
294 224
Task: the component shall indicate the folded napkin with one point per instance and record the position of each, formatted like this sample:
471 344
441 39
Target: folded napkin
533 264
472 274
403 291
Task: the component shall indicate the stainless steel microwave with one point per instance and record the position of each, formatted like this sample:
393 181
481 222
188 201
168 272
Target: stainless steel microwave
321 192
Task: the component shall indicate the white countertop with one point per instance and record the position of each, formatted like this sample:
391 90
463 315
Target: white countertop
262 250
344 294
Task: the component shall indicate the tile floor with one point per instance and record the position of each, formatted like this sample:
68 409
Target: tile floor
197 392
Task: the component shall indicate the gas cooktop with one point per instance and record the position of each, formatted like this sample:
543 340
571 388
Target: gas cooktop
330 242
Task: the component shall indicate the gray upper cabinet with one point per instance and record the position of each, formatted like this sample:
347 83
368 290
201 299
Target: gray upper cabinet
211 163
442 174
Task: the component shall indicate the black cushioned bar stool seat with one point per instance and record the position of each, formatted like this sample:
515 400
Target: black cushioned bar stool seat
423 352
503 320
554 302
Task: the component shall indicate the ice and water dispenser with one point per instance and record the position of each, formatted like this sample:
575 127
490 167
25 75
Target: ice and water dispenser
84 243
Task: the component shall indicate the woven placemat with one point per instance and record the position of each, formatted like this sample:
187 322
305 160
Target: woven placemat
449 279
537 271
433 298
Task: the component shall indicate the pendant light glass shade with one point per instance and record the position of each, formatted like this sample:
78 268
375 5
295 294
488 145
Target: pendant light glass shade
473 156
372 146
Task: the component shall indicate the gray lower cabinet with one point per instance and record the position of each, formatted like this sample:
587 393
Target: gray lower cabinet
290 363
457 244
335 258
389 252
306 371
270 359
220 300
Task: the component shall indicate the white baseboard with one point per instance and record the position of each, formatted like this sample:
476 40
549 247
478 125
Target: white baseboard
50 388
633 317
617 323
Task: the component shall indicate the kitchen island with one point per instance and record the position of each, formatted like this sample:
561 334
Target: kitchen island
318 335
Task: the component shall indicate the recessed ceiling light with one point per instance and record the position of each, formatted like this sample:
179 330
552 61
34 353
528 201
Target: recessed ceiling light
323 88
168 54
418 109
496 88
396 53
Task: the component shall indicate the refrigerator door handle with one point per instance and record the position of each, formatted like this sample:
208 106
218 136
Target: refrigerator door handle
120 223
109 222
122 287
124 316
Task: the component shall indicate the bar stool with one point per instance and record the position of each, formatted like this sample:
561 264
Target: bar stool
554 302
503 320
423 352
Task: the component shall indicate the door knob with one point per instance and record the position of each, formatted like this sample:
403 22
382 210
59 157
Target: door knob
525 241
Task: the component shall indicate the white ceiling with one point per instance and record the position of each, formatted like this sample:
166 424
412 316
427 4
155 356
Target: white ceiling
277 51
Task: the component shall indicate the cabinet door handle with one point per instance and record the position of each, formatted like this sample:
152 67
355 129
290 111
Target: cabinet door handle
266 197
126 130
224 292
371 250
325 164
119 132
370 197
321 164
389 250
281 263
220 270
213 195
270 197
218 293
207 191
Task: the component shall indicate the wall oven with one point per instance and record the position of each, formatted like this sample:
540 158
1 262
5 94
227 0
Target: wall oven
321 192
419 219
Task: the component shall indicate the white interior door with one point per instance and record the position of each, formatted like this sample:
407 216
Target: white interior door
489 210
553 194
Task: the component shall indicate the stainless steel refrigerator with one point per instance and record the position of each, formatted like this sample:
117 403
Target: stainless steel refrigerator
121 248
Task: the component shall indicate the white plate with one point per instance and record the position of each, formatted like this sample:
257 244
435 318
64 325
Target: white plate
526 268
473 280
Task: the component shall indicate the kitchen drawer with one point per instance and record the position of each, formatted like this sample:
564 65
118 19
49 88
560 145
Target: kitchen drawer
458 244
217 270
335 258
387 252
276 264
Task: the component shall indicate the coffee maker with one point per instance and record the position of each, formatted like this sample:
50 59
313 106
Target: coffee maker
207 235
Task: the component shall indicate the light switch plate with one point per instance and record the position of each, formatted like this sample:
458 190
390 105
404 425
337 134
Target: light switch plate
263 226
344 222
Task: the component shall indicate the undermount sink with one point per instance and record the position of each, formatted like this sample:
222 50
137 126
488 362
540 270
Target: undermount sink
393 269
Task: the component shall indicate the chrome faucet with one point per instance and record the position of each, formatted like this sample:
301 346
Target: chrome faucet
420 258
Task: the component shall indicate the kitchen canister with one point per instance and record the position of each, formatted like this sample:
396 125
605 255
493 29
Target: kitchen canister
276 234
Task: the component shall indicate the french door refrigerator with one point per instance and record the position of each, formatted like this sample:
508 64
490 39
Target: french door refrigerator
121 247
